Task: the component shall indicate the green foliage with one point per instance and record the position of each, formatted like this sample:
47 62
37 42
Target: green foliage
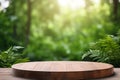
66 34
56 33
12 25
47 49
105 50
11 56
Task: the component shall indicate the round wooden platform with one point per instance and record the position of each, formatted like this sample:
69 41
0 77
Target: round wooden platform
62 70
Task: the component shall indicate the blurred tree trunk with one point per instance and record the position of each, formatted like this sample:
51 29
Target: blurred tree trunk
88 4
87 8
115 16
14 24
115 8
28 22
15 31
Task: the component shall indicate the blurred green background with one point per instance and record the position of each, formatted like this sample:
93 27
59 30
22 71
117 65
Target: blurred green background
59 29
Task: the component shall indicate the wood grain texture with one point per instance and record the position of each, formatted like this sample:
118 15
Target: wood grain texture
6 74
62 70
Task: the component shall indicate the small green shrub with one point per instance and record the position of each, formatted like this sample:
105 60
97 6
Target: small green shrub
105 50
11 56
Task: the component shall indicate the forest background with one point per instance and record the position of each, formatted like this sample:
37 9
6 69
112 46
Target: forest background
63 29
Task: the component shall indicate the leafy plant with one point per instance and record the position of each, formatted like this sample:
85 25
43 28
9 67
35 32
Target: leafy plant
105 50
11 56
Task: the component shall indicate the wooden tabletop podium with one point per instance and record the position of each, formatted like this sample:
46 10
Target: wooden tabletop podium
62 70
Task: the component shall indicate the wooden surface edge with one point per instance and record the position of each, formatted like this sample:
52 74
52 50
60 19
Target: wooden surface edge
5 74
63 75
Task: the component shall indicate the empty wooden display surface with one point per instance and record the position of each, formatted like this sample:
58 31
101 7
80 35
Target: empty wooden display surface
62 70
